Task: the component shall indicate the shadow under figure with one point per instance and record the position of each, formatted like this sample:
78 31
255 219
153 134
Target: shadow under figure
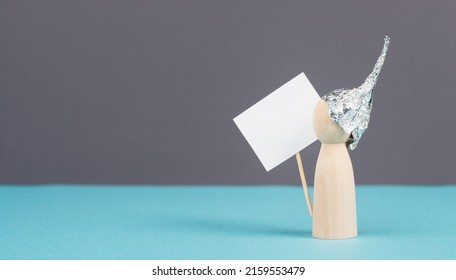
339 121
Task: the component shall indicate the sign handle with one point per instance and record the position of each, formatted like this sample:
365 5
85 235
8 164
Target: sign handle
304 183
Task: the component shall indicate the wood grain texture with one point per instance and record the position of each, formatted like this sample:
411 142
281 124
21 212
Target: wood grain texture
334 215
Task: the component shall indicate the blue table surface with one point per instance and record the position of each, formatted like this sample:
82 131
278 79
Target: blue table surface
218 222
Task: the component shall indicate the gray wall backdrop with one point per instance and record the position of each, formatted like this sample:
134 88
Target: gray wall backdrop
144 92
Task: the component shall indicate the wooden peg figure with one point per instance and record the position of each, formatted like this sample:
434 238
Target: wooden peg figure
339 121
334 212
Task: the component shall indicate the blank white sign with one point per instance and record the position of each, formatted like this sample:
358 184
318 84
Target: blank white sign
280 125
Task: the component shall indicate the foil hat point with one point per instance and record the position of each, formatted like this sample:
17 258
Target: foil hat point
351 108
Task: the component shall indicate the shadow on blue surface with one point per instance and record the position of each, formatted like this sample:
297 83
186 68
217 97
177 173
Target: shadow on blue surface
236 227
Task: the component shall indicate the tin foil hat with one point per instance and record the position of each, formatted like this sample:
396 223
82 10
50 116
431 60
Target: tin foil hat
351 108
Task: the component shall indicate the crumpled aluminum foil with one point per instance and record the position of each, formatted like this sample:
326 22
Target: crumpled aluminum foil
351 108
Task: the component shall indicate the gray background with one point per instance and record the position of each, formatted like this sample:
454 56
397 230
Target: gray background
144 92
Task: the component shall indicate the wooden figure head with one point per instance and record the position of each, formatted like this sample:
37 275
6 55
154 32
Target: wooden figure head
327 130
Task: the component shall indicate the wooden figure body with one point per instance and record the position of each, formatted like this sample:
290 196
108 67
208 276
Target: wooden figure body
334 210
339 121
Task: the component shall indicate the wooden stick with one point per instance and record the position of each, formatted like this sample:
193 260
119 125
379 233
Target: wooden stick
304 183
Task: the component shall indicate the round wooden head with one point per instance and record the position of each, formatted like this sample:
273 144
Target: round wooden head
327 131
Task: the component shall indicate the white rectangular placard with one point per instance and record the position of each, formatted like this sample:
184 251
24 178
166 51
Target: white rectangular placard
280 125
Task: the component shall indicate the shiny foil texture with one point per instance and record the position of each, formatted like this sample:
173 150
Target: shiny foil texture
351 108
